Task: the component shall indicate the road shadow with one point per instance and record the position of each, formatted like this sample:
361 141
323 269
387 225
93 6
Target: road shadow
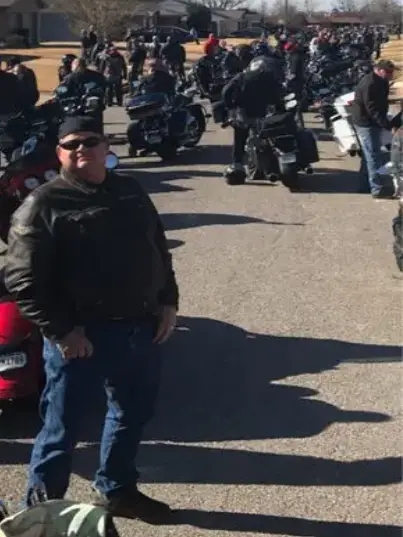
228 378
283 526
174 243
207 155
176 221
331 181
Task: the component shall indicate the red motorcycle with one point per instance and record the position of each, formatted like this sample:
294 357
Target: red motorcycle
21 367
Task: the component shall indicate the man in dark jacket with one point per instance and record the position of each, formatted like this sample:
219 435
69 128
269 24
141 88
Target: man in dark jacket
11 100
137 59
249 94
113 66
158 80
80 76
89 265
27 80
370 116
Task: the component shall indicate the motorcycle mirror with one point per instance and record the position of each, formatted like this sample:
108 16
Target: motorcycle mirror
291 104
111 161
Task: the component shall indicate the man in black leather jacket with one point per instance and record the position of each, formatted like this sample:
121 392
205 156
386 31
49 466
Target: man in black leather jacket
12 98
249 94
89 265
158 80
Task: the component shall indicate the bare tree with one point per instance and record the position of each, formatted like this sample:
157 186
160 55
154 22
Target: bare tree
224 4
345 5
283 10
263 8
108 16
382 11
310 6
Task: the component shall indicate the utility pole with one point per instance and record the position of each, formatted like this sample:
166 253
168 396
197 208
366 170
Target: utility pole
285 12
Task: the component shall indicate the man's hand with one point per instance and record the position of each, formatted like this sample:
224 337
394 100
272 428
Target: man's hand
166 323
75 344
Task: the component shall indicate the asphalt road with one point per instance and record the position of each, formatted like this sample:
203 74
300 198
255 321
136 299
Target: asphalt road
281 393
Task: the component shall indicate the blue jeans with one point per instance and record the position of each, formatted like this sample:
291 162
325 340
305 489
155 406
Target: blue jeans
372 158
127 364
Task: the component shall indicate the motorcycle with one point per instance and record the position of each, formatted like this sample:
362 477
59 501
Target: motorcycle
277 149
162 124
90 102
16 129
21 366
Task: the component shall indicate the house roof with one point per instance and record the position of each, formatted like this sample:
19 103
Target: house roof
7 3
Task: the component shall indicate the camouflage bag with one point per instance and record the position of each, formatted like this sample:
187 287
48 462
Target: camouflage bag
59 518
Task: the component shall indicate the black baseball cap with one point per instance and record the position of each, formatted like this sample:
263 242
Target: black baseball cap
75 124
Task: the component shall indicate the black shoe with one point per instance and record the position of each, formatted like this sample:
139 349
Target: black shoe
385 193
136 505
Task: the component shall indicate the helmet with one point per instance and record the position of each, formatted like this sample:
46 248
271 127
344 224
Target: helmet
235 174
261 64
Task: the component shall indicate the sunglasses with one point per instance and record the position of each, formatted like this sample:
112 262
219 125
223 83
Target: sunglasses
73 145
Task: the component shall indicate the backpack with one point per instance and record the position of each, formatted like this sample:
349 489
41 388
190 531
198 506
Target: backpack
59 518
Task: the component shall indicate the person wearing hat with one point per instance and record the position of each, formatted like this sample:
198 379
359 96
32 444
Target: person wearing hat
369 113
88 263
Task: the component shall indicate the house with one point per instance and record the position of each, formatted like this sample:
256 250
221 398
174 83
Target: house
226 21
17 15
336 19
54 25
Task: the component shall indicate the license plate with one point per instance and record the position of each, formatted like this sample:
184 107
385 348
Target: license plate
288 158
154 140
15 360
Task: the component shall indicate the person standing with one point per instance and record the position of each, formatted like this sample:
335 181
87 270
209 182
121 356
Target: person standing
27 80
88 263
369 113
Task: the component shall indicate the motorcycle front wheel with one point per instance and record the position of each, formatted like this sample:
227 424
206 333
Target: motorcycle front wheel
197 126
290 177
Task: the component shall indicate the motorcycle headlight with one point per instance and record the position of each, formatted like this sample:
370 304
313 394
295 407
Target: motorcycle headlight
31 182
49 175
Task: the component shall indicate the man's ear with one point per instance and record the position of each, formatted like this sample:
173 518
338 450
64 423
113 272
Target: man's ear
58 150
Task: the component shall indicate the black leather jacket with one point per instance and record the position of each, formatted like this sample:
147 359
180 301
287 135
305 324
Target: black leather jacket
79 252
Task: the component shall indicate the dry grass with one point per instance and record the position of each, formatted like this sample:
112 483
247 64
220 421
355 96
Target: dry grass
48 58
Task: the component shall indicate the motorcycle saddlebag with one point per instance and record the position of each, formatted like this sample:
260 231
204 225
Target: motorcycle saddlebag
220 112
142 106
307 147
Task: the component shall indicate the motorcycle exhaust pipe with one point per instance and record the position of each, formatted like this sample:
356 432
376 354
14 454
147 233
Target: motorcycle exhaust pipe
273 177
309 170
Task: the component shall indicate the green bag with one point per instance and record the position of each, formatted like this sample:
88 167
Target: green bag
59 518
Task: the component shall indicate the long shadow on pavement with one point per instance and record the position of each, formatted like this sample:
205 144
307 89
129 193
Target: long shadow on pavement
283 526
175 221
330 181
226 375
